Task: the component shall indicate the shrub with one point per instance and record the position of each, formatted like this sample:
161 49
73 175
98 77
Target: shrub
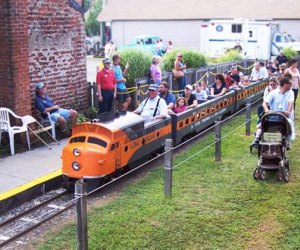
229 56
289 52
139 63
191 58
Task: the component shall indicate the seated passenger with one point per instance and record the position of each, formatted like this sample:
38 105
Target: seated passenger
190 98
219 88
199 93
45 105
204 87
166 95
244 81
153 107
181 105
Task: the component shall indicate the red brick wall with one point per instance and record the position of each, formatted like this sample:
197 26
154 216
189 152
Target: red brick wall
14 69
56 51
41 40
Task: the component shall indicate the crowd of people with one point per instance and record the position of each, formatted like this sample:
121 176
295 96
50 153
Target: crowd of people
111 84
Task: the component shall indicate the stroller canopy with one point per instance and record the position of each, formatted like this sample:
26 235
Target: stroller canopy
276 122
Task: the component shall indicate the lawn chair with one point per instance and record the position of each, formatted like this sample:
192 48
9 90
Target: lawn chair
5 126
12 130
52 123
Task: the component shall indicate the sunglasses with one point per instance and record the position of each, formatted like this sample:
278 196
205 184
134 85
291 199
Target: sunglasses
179 56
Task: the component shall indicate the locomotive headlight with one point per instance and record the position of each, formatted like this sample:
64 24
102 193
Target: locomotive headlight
75 165
76 152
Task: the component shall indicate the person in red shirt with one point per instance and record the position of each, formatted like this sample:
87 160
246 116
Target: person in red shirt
106 85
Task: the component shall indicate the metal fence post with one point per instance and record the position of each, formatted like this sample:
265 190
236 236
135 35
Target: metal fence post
218 139
81 215
170 81
248 115
168 167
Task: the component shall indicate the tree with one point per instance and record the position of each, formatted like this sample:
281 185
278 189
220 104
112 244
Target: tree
92 26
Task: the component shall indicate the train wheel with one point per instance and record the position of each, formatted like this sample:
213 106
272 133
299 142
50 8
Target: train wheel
286 175
263 174
279 175
256 174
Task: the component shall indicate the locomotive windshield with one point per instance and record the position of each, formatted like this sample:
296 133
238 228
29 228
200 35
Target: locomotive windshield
97 141
77 139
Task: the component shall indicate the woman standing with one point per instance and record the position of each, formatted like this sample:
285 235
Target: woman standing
155 71
219 88
181 67
293 70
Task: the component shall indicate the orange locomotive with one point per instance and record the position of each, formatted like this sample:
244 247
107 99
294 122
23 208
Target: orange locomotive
97 149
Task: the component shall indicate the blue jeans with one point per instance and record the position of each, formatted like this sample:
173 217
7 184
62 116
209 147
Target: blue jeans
108 98
181 83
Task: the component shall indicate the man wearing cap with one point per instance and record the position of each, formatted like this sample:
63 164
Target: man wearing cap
45 105
153 107
106 85
167 95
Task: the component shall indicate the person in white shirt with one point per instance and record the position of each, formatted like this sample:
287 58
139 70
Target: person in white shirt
282 99
257 73
153 107
199 93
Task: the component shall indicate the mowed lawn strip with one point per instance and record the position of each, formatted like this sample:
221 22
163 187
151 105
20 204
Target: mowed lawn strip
214 205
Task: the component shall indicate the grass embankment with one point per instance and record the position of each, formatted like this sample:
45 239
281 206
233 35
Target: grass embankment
214 205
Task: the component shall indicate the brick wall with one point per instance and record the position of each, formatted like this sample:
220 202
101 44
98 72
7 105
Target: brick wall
14 73
41 40
56 51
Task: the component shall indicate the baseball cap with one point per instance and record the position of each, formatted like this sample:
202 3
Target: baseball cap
39 85
189 87
152 87
106 60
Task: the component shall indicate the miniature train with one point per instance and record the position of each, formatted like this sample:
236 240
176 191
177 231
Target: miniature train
98 149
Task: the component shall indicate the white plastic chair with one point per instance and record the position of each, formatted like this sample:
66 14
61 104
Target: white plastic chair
12 130
52 123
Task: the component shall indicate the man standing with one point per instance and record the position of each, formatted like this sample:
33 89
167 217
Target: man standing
166 95
106 87
152 107
123 97
45 105
281 58
282 99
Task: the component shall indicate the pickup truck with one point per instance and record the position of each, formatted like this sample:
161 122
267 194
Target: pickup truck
146 42
281 41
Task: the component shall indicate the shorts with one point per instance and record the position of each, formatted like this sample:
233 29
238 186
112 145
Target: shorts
65 113
123 96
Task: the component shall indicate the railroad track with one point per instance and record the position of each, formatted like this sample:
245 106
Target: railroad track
23 222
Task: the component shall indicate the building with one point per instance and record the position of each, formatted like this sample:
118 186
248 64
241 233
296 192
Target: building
180 21
41 41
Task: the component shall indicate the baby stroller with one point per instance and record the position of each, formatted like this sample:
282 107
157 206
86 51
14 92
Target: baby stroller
273 142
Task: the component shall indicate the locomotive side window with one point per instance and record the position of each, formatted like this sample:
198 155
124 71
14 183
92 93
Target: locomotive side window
113 146
97 141
77 139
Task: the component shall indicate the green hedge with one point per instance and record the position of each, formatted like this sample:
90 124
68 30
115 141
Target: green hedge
229 56
139 63
192 59
289 52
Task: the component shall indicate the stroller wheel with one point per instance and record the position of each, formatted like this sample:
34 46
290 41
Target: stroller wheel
286 175
279 175
263 174
256 174
287 164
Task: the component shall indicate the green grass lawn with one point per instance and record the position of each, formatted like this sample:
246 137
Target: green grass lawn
214 205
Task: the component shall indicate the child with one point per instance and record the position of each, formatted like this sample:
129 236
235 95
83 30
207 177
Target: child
181 105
